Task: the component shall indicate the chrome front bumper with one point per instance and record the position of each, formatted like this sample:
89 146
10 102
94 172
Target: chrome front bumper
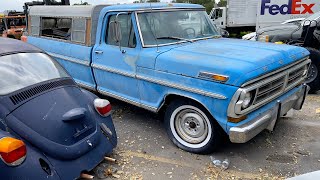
268 119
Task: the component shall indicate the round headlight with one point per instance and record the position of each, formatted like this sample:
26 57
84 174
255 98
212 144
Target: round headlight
247 100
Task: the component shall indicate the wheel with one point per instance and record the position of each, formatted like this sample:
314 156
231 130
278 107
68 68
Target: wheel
313 78
191 127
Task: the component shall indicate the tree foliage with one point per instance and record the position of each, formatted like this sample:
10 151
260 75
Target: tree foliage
222 3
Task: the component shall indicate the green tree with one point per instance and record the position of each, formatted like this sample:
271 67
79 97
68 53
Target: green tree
153 0
222 3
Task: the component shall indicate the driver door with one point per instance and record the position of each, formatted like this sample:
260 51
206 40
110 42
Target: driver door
114 66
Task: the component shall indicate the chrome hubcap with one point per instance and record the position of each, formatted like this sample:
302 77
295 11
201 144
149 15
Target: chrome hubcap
191 126
312 73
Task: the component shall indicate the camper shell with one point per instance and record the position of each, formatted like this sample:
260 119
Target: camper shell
76 24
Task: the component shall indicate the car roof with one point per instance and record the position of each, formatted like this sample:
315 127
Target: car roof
13 46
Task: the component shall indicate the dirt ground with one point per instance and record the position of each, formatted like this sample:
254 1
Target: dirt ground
145 152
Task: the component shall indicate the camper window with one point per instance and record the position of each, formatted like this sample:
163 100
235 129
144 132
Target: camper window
56 27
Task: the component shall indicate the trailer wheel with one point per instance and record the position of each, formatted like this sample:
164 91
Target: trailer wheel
313 78
191 128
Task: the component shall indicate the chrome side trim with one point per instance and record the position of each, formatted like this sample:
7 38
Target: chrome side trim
164 83
181 87
274 72
112 70
71 59
86 86
150 108
208 76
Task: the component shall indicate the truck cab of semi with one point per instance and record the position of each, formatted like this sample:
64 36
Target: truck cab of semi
219 16
169 58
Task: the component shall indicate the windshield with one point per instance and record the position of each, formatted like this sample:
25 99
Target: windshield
22 70
159 28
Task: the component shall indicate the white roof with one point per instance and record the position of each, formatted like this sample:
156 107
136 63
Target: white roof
63 11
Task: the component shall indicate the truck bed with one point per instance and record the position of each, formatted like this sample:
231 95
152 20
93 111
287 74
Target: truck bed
75 58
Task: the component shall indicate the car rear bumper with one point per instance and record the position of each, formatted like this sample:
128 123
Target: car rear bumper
268 119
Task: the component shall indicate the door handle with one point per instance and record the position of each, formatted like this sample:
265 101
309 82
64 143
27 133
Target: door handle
99 52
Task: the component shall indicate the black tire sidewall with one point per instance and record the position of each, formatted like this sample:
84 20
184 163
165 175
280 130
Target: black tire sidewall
215 138
315 58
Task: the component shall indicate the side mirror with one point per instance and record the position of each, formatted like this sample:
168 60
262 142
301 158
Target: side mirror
224 33
115 31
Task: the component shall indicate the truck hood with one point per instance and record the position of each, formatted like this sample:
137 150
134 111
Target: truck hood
240 60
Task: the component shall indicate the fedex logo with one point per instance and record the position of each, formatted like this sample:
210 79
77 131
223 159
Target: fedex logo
293 7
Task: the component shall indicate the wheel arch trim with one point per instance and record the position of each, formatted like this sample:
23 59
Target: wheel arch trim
184 96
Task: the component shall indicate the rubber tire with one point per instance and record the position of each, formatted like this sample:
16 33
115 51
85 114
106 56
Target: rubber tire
315 58
217 131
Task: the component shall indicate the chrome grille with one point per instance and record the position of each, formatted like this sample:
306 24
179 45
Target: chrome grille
284 81
270 86
269 89
294 76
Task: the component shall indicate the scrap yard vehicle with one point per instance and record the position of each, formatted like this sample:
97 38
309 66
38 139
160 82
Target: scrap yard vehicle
250 15
305 34
49 127
169 58
13 25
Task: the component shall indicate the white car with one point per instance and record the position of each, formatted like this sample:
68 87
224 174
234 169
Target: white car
252 36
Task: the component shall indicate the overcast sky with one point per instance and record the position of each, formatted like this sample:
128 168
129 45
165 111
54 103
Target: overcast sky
17 4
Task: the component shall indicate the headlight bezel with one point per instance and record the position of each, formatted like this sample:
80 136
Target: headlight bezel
243 98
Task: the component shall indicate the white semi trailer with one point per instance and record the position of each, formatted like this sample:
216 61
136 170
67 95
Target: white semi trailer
249 15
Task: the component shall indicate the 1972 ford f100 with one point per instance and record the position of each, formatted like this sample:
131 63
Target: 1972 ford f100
170 58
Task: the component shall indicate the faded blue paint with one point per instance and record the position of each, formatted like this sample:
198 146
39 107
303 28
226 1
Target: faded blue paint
179 64
81 73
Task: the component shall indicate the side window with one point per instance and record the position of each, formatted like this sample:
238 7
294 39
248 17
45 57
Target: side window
59 28
127 33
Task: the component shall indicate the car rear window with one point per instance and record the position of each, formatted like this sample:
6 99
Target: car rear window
21 70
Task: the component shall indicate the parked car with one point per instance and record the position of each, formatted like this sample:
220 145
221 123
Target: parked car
49 127
253 36
205 85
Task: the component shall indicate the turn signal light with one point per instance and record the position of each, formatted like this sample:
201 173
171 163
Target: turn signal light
220 78
236 120
102 106
12 151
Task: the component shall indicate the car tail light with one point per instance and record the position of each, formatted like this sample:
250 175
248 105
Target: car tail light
102 106
12 151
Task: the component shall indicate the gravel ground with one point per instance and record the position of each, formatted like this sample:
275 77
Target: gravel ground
145 152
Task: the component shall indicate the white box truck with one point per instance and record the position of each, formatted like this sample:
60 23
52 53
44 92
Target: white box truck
250 15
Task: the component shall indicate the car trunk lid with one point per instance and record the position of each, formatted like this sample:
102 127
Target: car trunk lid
58 122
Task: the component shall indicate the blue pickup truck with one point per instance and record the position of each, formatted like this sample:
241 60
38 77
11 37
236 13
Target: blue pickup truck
169 58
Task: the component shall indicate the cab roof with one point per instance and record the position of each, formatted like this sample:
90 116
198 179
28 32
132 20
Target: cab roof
12 46
94 10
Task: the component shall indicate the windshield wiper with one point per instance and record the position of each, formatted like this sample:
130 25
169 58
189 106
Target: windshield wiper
175 38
